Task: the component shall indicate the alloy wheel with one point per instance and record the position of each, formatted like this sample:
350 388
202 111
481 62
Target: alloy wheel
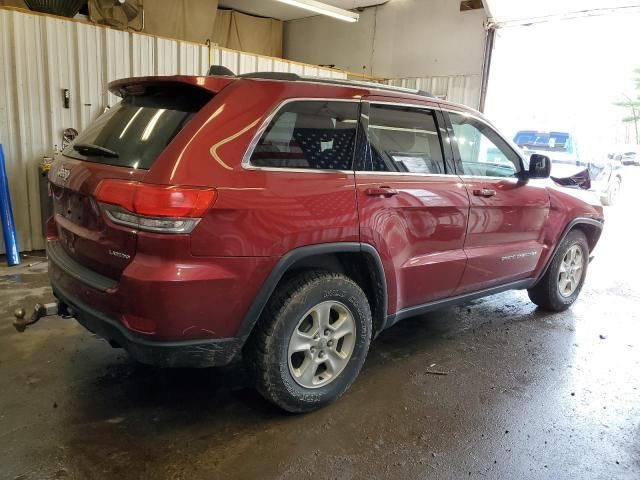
321 345
570 272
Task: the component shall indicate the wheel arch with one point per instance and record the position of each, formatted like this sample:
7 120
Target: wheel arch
591 231
359 261
591 228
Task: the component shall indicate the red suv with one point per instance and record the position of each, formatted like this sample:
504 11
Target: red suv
289 220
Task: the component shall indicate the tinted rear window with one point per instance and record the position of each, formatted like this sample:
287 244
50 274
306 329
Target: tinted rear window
314 134
551 141
140 127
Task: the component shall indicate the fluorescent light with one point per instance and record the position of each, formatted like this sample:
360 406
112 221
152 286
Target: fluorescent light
152 124
124 130
324 9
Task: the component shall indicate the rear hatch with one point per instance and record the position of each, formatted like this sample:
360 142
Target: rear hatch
122 144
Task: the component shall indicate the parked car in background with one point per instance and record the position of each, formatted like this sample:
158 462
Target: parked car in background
561 147
606 178
630 158
627 154
570 167
288 221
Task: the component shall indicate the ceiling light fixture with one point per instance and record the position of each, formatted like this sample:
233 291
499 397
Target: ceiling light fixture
324 9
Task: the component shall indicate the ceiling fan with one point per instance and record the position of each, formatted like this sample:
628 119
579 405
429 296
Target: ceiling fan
120 13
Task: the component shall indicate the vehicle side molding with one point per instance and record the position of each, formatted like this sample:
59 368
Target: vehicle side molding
457 300
298 254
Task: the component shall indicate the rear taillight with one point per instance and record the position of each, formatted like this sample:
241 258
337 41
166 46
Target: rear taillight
155 208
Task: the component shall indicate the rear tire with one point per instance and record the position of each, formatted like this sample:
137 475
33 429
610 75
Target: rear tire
311 341
561 284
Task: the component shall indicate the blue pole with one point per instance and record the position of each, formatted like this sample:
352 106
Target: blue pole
6 215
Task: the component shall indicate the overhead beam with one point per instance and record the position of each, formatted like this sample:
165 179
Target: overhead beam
564 16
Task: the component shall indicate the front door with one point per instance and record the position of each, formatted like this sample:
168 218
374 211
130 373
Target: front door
413 208
507 216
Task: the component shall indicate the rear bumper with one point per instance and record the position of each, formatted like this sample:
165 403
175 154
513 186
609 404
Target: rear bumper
190 353
196 305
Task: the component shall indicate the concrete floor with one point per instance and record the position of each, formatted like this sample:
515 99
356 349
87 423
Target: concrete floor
528 394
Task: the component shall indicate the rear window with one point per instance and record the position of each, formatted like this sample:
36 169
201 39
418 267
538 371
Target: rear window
135 131
309 135
556 141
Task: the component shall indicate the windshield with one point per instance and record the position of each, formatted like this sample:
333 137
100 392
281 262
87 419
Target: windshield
135 131
552 141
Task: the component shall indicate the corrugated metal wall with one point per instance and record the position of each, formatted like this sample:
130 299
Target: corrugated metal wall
42 55
463 89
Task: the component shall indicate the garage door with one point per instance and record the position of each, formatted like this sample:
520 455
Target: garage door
507 11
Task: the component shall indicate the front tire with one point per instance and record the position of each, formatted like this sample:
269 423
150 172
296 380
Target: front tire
561 284
311 341
612 194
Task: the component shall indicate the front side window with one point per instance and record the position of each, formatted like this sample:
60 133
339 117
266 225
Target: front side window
403 139
310 135
482 152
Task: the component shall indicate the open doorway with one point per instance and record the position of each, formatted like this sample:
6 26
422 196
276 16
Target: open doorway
571 87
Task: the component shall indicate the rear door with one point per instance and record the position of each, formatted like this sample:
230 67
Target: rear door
413 208
123 143
507 215
302 182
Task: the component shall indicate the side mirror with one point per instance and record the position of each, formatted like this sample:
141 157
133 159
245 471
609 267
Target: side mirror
539 166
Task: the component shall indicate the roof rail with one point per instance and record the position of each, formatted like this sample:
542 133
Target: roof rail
293 77
373 85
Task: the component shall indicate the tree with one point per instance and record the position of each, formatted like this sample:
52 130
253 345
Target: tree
633 105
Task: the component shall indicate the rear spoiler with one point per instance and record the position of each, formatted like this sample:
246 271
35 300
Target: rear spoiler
136 85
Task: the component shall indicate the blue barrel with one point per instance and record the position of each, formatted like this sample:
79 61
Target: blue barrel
6 216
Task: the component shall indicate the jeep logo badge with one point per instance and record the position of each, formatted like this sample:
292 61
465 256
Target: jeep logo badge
63 173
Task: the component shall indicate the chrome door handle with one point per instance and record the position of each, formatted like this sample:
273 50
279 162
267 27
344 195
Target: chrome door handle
484 192
381 191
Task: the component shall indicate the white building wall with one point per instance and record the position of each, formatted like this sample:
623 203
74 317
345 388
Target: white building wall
464 89
41 55
401 38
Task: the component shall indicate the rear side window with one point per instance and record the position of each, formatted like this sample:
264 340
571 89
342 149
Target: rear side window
403 139
135 131
310 135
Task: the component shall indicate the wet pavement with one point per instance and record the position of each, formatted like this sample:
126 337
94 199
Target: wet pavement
524 394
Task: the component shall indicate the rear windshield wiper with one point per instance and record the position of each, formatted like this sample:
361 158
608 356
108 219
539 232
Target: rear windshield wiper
90 150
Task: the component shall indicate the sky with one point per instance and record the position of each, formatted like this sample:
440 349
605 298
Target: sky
565 75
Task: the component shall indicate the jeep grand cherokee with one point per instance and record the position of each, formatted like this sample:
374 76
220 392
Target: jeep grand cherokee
287 221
